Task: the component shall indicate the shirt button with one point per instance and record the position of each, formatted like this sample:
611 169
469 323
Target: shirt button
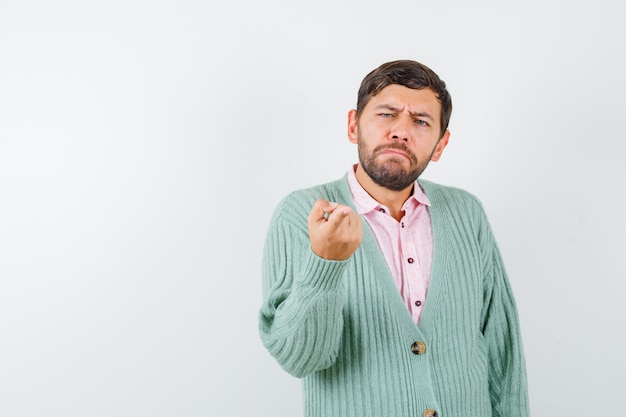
430 413
418 303
410 260
418 348
382 210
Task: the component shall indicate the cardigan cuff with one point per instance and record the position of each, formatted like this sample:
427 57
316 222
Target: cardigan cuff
322 274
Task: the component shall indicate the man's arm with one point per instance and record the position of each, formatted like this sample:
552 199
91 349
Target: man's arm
301 320
507 370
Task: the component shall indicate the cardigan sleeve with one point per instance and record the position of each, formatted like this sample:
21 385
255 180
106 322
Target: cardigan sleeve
301 317
500 327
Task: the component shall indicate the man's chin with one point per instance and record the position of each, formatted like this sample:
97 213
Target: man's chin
394 181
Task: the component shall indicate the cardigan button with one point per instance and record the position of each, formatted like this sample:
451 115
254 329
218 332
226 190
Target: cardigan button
430 413
418 347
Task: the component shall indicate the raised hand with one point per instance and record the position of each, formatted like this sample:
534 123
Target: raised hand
335 230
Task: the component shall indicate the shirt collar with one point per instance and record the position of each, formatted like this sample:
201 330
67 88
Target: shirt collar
365 203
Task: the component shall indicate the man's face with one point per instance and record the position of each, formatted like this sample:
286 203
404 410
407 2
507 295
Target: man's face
398 134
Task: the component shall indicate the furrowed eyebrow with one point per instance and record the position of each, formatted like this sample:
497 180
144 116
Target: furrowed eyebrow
395 109
423 115
387 107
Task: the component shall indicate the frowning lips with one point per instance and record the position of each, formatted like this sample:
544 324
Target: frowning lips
398 149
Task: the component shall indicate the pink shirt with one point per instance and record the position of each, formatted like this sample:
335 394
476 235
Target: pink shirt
407 245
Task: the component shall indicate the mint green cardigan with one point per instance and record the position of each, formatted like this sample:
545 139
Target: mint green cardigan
342 325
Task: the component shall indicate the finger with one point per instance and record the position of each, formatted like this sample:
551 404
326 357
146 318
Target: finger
321 210
329 206
340 215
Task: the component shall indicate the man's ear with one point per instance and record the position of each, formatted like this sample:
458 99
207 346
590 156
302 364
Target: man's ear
441 145
353 127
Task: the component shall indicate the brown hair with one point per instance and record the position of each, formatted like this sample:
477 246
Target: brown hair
410 74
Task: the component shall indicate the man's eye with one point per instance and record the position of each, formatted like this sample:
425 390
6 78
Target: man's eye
421 122
386 114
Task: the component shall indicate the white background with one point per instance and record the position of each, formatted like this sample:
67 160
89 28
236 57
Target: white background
145 144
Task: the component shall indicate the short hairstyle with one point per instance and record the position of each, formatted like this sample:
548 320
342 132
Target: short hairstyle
410 74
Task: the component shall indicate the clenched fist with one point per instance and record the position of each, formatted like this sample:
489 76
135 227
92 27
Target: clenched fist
335 230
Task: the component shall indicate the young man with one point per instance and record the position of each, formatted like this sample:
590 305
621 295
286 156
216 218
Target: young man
386 294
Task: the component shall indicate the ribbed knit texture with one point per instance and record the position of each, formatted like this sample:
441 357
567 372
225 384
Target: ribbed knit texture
343 327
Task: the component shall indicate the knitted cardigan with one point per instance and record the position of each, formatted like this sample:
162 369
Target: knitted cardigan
343 327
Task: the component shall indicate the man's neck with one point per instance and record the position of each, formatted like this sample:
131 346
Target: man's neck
393 200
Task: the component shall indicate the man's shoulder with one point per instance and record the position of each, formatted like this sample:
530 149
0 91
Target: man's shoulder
447 190
331 191
440 194
299 202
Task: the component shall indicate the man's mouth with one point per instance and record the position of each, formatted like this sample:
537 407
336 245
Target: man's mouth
395 152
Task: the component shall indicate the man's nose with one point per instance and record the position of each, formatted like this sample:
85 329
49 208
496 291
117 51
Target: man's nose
401 128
